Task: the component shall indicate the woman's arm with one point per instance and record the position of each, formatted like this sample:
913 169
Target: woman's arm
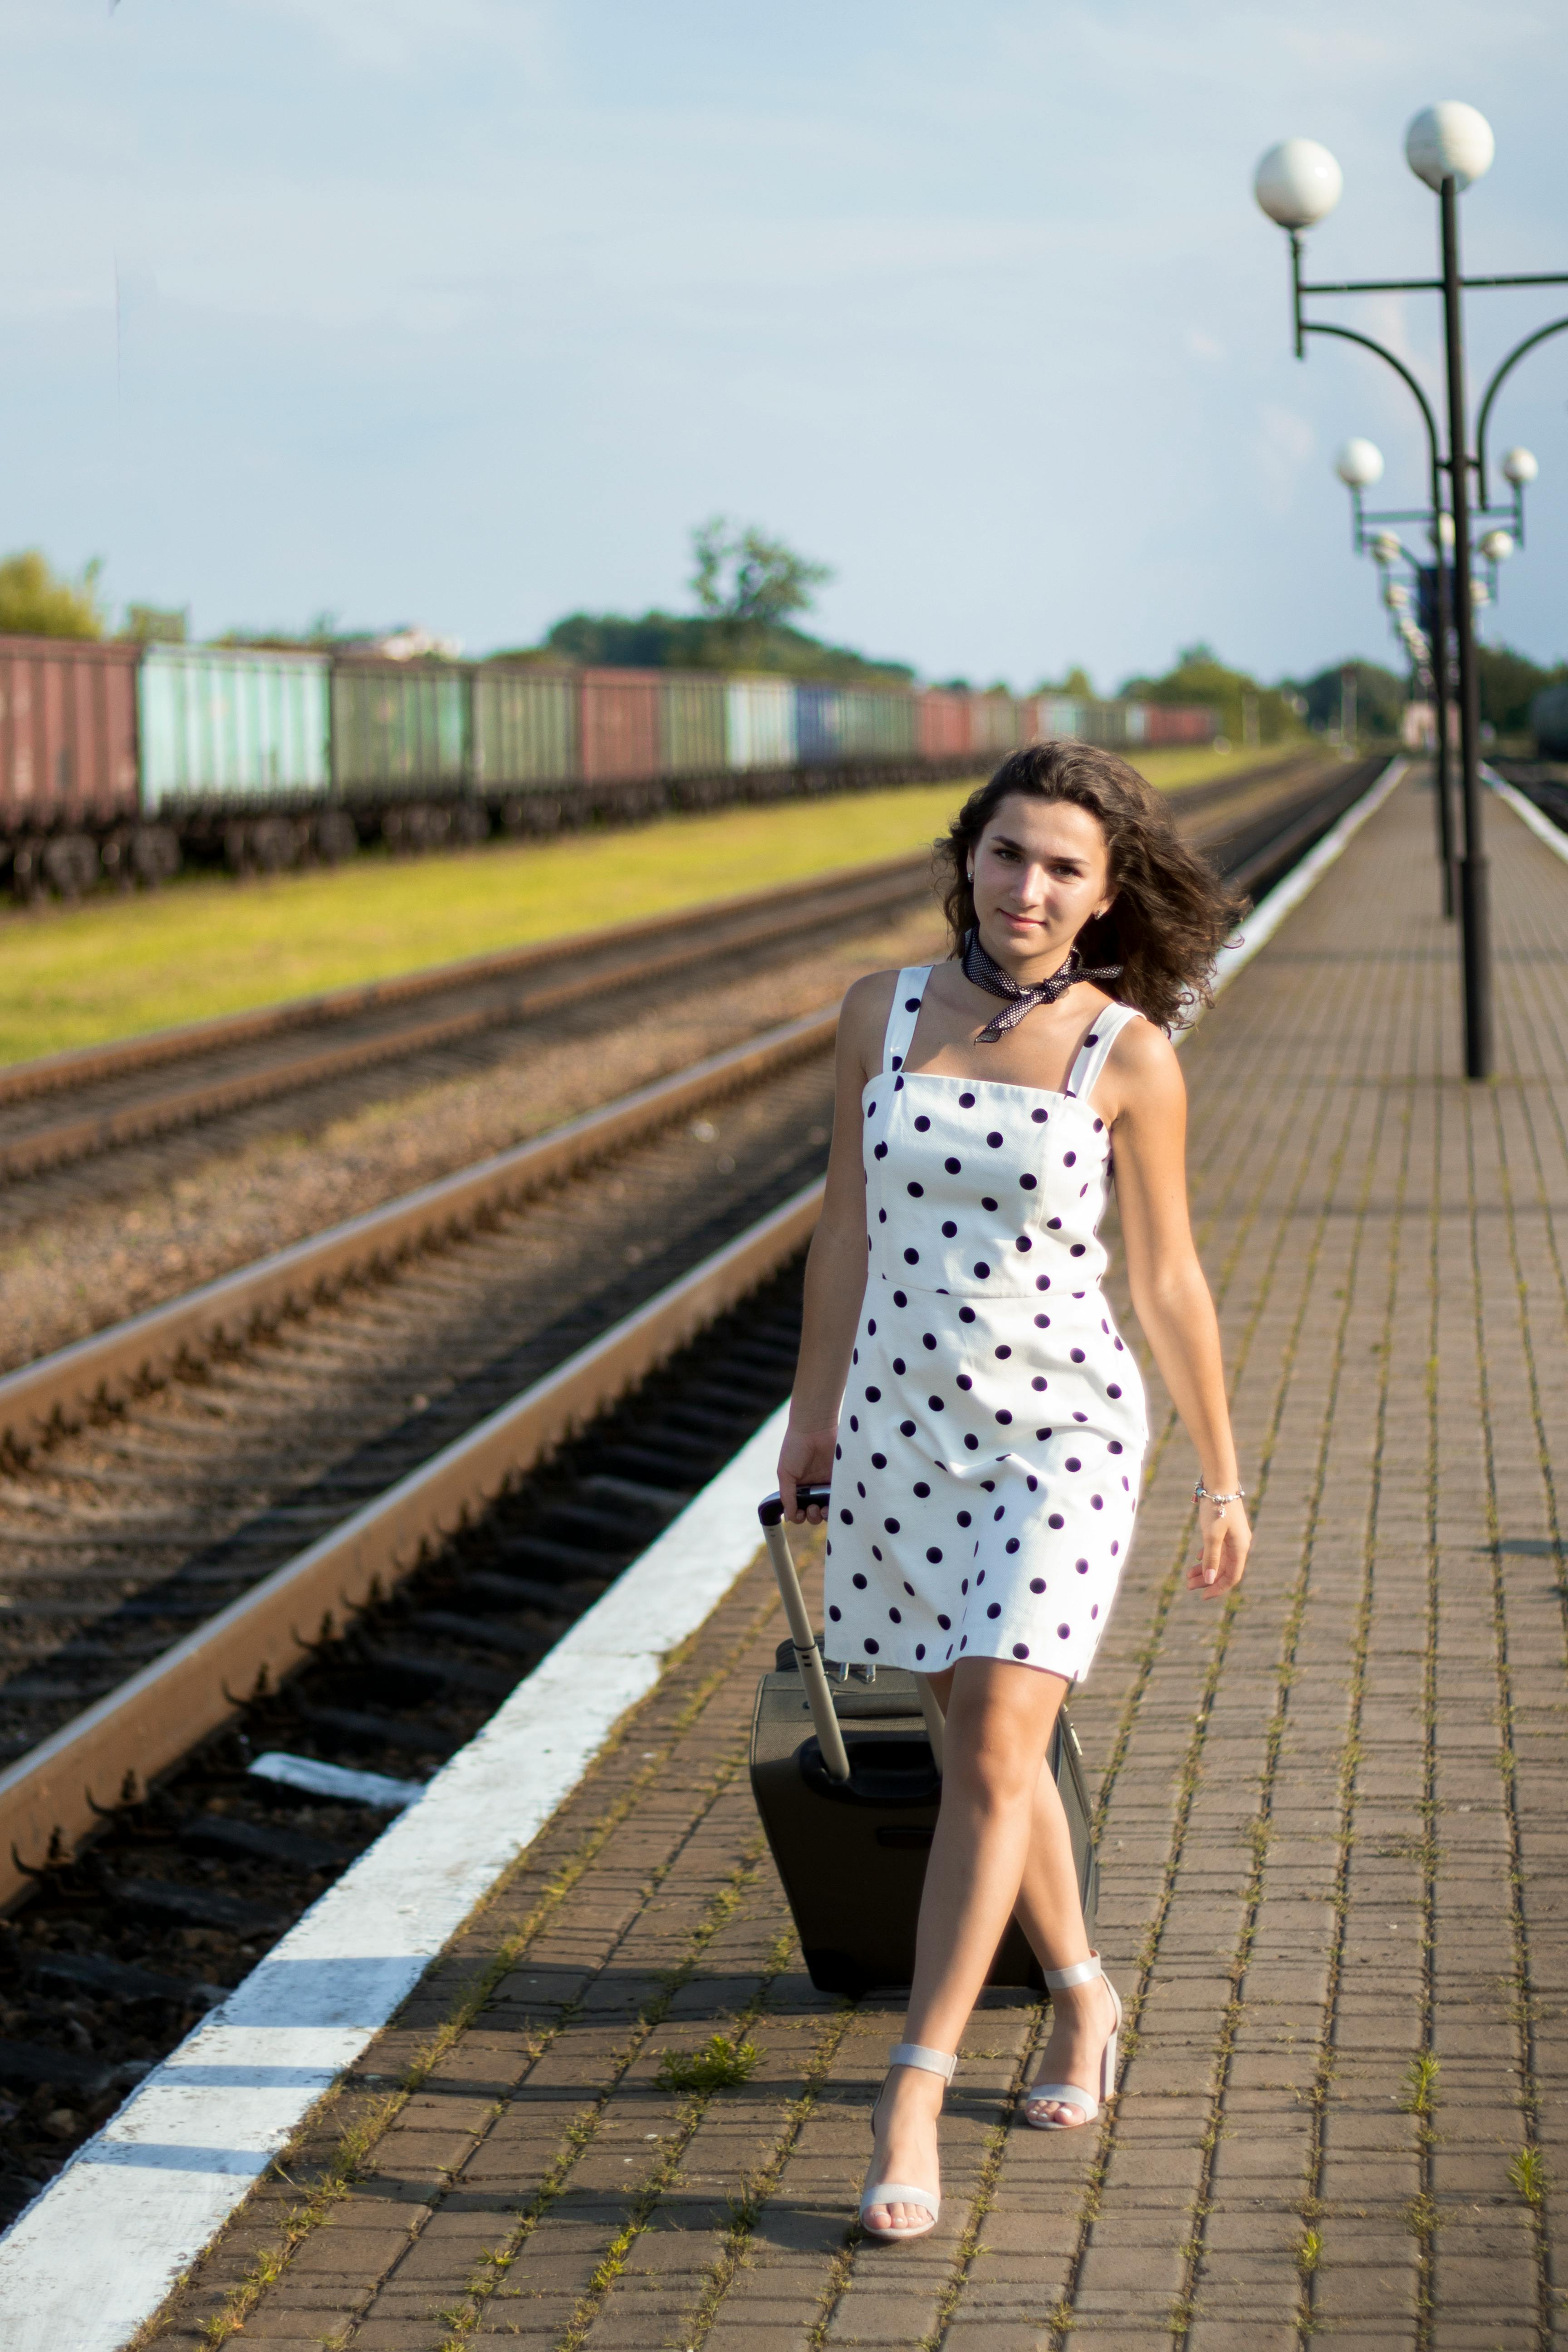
836 1265
1170 1297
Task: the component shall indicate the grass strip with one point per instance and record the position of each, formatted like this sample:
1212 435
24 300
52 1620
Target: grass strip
113 966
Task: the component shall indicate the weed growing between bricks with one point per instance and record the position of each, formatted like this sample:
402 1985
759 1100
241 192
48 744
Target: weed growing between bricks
347 2161
1507 1760
1185 1789
1289 1642
747 2208
1311 2248
1527 2172
665 2165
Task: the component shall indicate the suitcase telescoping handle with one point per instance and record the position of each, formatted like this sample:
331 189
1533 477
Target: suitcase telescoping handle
808 1658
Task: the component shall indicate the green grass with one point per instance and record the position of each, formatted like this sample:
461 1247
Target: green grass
722 2061
116 967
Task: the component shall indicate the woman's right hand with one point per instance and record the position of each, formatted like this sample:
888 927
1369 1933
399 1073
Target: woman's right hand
806 1459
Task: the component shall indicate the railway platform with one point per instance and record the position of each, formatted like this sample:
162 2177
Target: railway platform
1329 1821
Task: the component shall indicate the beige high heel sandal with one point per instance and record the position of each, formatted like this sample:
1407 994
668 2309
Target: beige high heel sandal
1073 2095
904 2192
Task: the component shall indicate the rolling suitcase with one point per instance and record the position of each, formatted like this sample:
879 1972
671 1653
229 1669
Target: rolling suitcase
848 1782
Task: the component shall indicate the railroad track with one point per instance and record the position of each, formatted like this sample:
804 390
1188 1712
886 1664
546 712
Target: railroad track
99 1101
246 1501
119 1952
1544 781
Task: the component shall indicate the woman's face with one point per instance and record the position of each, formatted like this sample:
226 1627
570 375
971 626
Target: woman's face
1040 870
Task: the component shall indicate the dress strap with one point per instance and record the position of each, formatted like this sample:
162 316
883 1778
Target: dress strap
906 1011
1096 1047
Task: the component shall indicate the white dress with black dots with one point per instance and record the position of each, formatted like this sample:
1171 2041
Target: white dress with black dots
993 1427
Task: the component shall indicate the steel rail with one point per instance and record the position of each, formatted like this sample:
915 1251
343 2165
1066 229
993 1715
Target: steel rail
56 1796
60 1388
615 956
54 1072
210 1098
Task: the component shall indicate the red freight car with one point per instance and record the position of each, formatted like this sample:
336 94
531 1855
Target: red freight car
944 723
1177 722
68 761
618 730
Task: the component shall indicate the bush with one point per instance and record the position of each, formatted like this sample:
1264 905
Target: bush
35 603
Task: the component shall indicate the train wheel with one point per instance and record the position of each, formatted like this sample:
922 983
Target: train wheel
155 855
70 863
277 842
336 837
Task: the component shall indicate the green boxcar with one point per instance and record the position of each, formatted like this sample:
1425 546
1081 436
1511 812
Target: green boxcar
525 728
995 723
879 724
691 725
400 730
224 725
1105 723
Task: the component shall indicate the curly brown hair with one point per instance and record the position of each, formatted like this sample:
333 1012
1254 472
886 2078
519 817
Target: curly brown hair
1172 913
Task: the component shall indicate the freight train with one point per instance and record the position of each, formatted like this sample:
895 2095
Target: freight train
119 762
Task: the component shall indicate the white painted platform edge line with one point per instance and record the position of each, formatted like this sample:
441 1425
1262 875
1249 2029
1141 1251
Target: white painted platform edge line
1270 912
1528 813
141 2200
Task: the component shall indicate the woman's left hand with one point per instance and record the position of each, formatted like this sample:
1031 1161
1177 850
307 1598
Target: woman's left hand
1227 1540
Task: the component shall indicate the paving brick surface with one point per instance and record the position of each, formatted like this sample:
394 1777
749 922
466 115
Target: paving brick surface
1332 1824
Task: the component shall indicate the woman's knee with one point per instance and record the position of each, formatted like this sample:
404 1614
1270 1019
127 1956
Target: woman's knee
998 1726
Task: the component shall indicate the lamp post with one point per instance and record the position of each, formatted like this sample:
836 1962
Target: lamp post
1298 183
1359 465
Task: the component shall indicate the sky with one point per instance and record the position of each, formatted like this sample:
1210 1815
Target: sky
465 312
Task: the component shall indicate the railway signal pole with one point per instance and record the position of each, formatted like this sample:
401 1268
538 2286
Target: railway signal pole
1298 183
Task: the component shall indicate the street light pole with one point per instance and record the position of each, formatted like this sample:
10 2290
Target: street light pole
1298 183
1475 897
1443 620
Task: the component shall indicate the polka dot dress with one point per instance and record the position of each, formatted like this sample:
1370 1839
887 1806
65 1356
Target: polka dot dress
992 1426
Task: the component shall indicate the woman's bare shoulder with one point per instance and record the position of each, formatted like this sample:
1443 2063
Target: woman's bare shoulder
1142 1067
868 1002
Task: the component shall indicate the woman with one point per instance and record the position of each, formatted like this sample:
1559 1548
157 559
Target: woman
963 1387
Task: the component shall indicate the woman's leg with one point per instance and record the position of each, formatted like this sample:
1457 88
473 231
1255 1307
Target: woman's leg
999 1722
1050 1912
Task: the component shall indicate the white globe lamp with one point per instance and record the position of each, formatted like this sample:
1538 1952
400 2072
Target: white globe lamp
1385 548
1359 465
1497 546
1520 466
1479 593
1298 182
1443 534
1449 141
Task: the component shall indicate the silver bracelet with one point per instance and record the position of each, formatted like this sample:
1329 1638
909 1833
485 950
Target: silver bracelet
1201 1494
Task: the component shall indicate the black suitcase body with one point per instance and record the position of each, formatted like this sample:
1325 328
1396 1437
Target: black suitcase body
852 1851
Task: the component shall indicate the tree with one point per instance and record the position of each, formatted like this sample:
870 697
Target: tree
1509 683
1077 683
1248 713
673 641
1380 697
157 624
743 579
35 603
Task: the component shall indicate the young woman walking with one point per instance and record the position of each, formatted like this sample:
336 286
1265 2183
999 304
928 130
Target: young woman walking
961 1384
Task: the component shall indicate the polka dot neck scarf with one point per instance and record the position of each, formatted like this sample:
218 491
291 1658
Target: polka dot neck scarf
978 967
